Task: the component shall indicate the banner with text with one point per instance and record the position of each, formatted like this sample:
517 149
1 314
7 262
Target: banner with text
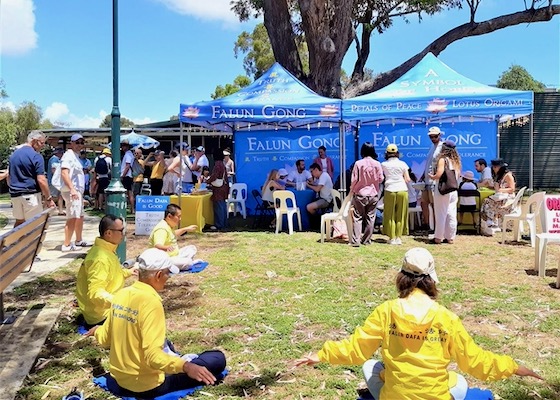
474 140
149 211
258 152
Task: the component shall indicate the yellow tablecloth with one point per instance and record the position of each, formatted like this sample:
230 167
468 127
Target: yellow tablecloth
195 209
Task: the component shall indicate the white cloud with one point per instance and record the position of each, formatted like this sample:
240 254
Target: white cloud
215 10
7 104
55 111
17 27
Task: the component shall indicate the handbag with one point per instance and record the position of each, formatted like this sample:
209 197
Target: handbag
448 180
218 182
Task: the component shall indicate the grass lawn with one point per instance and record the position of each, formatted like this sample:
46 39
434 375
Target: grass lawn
267 299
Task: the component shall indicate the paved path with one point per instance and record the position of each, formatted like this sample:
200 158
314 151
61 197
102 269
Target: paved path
51 257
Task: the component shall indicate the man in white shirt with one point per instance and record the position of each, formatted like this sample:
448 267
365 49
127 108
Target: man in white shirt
300 176
482 167
186 166
322 186
126 172
429 168
200 161
72 190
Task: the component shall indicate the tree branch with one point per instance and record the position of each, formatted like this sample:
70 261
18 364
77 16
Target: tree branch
466 30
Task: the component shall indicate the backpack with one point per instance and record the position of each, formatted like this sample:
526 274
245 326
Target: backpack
137 168
101 166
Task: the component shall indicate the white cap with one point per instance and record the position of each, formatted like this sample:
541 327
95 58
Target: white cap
434 130
155 260
75 137
419 261
227 153
282 172
200 148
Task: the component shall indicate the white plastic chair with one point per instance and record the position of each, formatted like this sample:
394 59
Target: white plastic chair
281 207
414 213
526 213
337 199
237 196
342 215
146 189
515 214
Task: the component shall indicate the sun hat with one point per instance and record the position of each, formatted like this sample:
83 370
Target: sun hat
419 261
106 151
434 130
449 143
282 172
155 260
75 137
200 148
392 148
226 153
468 175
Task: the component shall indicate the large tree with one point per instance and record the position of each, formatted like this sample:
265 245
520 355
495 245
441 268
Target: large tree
329 27
125 122
518 78
230 88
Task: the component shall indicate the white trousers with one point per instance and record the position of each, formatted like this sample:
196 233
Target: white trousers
372 368
445 213
185 257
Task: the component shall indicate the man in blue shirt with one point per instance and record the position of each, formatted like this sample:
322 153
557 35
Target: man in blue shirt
53 163
28 180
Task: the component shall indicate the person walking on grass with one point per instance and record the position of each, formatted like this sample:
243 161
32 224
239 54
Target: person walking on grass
418 338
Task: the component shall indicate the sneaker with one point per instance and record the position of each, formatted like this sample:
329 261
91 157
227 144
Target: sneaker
398 241
392 241
82 243
71 247
213 228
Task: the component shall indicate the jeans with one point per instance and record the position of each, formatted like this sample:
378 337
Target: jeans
220 214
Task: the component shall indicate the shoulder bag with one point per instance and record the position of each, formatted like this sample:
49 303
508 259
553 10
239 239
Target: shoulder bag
448 180
218 182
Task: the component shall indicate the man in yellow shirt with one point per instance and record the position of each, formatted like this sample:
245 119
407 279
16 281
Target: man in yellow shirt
164 237
100 276
135 332
417 338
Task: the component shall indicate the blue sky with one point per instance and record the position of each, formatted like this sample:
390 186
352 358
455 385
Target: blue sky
58 53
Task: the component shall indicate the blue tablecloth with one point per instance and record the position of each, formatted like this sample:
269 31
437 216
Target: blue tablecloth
303 198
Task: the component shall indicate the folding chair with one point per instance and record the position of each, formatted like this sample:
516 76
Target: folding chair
261 210
475 213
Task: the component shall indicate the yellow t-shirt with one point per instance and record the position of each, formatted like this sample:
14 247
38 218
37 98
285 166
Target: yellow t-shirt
164 235
157 170
140 178
100 276
416 353
135 333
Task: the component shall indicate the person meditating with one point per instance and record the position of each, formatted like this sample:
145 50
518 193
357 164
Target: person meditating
418 339
164 237
135 335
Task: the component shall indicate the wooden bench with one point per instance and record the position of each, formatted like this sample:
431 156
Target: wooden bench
18 249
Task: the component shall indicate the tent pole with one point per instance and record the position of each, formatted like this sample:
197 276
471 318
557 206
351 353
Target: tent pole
341 147
531 152
181 168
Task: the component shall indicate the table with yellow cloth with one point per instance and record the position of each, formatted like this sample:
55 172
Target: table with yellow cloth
195 209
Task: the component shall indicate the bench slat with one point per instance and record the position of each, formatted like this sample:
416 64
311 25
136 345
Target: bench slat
14 267
16 234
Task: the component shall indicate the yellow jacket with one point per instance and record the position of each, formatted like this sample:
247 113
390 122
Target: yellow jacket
100 276
164 235
135 333
416 352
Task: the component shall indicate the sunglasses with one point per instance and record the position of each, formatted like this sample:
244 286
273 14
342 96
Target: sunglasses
117 230
80 142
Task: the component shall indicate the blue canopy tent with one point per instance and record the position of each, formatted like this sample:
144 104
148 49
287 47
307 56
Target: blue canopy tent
275 101
432 92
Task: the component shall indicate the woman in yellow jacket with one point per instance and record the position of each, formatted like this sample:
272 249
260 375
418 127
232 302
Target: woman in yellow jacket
418 339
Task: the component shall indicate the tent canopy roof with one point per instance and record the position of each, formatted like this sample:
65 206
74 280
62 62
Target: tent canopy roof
432 91
276 98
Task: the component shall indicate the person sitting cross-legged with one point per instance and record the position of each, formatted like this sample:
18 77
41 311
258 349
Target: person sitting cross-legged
135 333
164 237
417 338
100 276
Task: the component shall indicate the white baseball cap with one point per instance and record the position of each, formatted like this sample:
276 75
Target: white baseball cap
282 172
155 260
419 261
75 137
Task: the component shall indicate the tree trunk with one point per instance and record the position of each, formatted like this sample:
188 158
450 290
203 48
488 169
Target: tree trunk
328 31
441 43
278 24
363 53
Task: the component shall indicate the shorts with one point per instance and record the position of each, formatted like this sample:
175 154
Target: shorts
102 184
74 207
127 182
467 207
136 188
27 206
320 203
54 191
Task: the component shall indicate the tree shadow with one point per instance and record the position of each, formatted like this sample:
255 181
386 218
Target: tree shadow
42 288
180 294
252 387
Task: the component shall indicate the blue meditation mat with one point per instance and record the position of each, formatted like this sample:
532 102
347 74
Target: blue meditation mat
199 266
82 330
472 394
106 380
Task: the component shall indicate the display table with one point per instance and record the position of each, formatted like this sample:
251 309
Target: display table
303 198
196 209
